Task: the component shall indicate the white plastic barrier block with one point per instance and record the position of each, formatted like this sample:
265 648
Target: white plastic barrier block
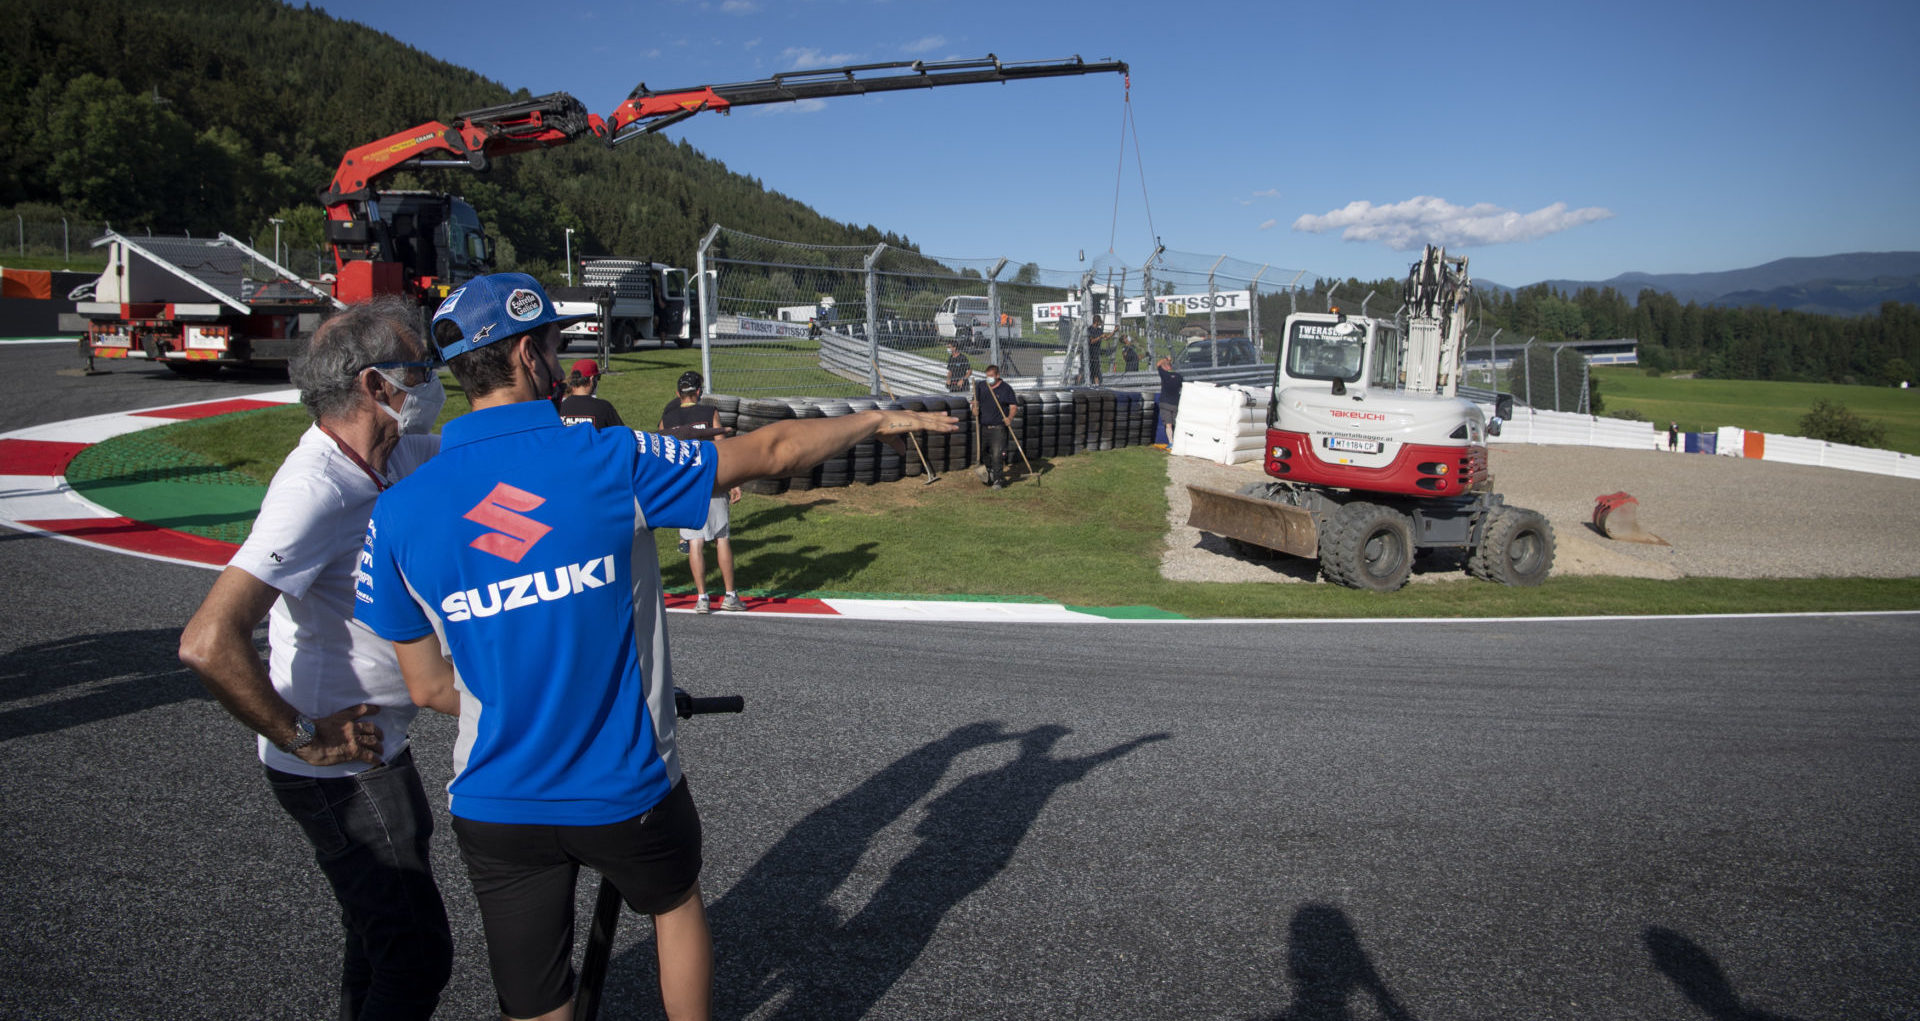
1731 441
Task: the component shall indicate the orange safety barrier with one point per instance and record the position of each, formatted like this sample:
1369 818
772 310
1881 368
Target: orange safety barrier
26 283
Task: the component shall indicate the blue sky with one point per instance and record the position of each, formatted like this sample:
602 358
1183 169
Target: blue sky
1542 139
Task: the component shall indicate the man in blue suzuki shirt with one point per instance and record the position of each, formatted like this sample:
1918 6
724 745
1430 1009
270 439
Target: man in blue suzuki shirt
516 575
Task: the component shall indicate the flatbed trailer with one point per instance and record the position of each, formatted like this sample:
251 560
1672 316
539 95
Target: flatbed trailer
197 304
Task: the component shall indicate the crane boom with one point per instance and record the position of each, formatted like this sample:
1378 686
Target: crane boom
473 139
387 242
648 110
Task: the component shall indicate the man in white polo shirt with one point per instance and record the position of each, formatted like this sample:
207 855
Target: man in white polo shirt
329 704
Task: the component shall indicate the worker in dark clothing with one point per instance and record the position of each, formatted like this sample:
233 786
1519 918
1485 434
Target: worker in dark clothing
1169 401
1129 355
994 407
958 368
1095 334
581 405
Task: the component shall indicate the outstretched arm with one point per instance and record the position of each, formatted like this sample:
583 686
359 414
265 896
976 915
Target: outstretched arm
784 448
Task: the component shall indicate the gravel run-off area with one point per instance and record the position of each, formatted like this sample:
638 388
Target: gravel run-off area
1720 517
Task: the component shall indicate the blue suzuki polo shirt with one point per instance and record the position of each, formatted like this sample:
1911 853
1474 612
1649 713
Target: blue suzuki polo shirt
525 547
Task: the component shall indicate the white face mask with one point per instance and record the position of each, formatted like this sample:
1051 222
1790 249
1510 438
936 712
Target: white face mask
421 406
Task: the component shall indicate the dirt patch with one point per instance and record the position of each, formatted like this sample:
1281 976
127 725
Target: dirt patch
1723 517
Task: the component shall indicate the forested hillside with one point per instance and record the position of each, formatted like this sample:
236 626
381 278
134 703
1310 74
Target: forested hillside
209 115
1715 342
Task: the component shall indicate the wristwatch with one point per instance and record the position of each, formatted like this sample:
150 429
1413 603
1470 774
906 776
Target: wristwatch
302 734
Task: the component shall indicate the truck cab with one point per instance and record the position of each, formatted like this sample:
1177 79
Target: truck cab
410 241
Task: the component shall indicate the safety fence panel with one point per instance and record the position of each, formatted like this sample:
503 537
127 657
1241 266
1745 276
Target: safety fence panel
1531 425
1548 427
767 306
1819 453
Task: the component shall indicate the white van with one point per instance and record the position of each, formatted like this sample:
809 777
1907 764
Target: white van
961 314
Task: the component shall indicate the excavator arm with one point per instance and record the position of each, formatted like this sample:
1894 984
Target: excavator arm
648 110
1436 298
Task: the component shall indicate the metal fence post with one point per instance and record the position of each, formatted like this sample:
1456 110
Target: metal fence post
1526 366
1253 311
993 311
709 303
1213 312
1153 305
873 318
1556 379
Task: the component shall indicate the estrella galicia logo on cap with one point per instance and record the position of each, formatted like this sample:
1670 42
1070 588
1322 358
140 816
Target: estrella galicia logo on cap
524 305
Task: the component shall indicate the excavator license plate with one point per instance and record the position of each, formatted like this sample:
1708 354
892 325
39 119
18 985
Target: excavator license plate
1353 446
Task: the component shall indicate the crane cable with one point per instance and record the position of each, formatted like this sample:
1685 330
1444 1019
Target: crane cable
1120 166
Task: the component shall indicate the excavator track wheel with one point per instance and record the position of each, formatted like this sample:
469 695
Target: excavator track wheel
1517 548
1368 546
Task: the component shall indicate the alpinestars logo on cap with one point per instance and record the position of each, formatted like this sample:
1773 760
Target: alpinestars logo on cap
523 305
513 533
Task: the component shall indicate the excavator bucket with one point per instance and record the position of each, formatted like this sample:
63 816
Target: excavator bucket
1276 526
1617 516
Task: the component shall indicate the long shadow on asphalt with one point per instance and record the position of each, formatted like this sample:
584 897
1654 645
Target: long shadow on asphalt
1329 968
777 935
89 678
1699 977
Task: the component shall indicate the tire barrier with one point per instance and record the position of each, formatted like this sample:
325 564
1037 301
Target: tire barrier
1050 423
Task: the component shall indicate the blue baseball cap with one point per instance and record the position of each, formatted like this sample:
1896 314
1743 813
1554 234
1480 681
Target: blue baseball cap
497 306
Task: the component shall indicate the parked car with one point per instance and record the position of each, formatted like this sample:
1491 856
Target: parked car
1198 354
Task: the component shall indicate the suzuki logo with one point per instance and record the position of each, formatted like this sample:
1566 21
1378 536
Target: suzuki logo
513 533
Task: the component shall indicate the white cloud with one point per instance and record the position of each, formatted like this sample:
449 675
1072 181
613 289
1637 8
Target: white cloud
1267 193
739 7
1268 224
1425 219
800 58
925 43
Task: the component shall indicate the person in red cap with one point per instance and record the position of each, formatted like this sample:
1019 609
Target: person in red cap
580 406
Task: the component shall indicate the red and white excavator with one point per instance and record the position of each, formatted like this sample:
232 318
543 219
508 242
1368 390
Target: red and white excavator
192 303
1371 455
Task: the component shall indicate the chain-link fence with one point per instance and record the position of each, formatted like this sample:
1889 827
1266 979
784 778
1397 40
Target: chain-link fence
796 319
1550 377
42 234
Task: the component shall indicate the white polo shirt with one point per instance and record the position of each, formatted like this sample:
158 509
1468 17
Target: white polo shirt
306 543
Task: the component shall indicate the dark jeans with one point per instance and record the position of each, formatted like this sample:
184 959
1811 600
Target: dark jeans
370 833
994 439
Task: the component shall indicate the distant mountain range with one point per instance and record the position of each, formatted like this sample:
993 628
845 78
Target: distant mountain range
1855 283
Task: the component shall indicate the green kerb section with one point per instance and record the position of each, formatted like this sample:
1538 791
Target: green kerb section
1127 612
144 477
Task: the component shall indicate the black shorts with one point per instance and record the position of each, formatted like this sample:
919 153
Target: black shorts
523 876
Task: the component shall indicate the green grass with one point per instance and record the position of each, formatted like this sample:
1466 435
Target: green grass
1089 532
1701 405
83 264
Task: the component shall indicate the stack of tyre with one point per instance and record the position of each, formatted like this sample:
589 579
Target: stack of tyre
1050 423
754 414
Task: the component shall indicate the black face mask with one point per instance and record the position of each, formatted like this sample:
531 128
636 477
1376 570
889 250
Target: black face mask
556 389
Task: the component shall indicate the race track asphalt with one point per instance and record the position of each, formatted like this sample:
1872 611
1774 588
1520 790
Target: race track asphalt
1680 818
